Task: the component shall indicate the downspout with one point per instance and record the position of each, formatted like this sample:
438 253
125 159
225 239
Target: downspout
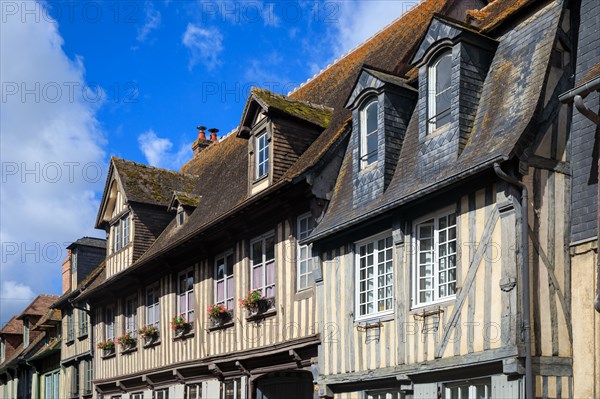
591 115
529 392
577 95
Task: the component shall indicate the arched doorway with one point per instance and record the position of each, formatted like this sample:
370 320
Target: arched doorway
286 385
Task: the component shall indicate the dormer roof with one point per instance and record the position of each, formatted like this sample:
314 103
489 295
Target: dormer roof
14 326
185 199
38 307
143 184
267 101
370 78
442 29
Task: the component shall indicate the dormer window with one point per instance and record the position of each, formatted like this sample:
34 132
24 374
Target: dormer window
368 133
121 233
438 113
25 333
262 155
180 216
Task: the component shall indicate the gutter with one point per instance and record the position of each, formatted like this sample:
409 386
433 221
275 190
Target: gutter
577 96
529 388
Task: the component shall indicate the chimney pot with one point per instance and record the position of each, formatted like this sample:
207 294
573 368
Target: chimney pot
213 134
201 134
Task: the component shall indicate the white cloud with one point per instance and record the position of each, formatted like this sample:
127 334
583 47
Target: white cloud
15 298
151 22
159 151
355 22
53 162
205 45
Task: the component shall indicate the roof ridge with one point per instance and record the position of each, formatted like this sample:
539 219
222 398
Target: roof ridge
298 100
150 166
354 49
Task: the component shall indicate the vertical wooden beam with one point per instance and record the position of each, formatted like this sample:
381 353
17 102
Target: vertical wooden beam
459 274
535 264
400 289
487 306
552 255
472 240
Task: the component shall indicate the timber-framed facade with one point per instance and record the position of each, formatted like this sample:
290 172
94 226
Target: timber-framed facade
416 221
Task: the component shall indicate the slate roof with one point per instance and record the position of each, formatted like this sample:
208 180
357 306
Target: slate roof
13 326
39 306
508 103
89 242
390 50
185 199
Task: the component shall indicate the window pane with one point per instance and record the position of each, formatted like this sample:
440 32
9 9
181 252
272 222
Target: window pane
257 252
372 148
270 248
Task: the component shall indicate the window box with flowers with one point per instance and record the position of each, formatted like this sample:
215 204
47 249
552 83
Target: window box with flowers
180 325
107 347
127 342
255 303
149 334
219 314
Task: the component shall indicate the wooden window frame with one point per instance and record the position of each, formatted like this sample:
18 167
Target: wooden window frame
300 235
416 275
266 150
70 325
131 322
82 323
189 272
432 94
374 240
227 280
263 287
155 289
109 328
364 134
126 230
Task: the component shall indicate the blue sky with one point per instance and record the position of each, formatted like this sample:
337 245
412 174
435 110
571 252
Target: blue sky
85 80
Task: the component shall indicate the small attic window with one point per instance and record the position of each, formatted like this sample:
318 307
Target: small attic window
368 133
438 109
262 155
180 215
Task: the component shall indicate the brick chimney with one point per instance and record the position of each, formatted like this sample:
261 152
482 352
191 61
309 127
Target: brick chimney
201 143
66 273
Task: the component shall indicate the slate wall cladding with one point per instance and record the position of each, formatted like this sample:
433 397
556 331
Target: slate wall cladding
584 133
88 258
441 147
394 113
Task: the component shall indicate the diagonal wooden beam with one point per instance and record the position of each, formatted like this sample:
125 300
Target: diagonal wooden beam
552 278
473 266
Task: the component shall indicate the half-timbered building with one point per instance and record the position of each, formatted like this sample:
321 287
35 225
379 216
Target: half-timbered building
442 260
83 265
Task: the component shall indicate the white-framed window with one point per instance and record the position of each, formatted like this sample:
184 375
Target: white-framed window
25 333
305 225
131 316
51 385
193 391
70 326
87 376
137 395
75 381
185 294
153 306
82 320
478 389
2 350
435 258
374 276
180 216
368 133
262 265
438 97
126 224
262 155
161 393
385 394
117 237
224 282
109 323
231 389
